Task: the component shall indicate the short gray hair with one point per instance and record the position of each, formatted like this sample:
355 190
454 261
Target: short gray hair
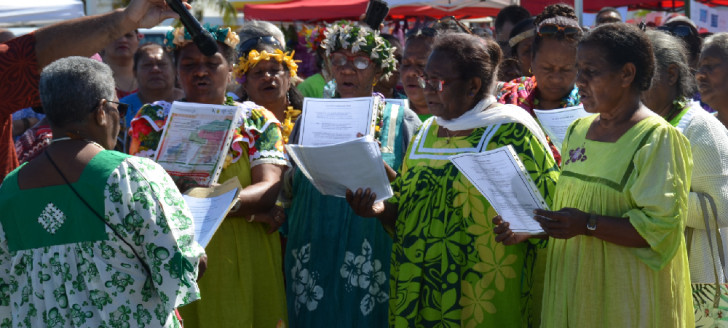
717 40
670 50
255 28
70 88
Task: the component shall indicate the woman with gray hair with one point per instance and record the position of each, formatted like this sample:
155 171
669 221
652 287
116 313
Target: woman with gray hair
92 237
712 74
670 97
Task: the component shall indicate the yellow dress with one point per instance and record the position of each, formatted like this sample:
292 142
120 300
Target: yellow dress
644 177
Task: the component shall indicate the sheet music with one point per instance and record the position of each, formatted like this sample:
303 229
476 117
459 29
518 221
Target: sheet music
334 168
210 206
555 122
332 121
500 176
195 140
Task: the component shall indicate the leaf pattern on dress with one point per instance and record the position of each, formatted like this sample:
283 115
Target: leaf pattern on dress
71 284
447 270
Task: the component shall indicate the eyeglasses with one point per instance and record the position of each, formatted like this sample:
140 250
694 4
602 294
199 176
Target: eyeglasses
120 107
249 44
677 30
359 61
435 84
552 29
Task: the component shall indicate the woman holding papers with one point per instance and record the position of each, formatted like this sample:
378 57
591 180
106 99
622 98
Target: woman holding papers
91 237
446 269
337 263
616 256
243 285
670 97
553 65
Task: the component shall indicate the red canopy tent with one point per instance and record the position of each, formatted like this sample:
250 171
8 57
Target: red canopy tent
536 6
327 10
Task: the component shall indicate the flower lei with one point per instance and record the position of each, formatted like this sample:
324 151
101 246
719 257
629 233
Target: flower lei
347 35
379 118
245 63
179 37
289 122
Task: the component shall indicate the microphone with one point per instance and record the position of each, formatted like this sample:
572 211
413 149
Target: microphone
201 37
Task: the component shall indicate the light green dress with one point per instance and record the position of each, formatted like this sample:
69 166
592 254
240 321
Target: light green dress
644 177
447 270
243 285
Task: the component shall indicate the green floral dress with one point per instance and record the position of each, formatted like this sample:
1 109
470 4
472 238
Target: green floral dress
61 266
447 270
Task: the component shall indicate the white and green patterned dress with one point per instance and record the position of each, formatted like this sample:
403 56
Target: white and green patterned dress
61 266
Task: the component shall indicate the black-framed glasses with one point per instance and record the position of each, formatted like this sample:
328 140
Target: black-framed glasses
677 30
249 44
359 61
120 107
552 29
435 84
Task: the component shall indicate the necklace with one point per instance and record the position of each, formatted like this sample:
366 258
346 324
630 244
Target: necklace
69 138
449 137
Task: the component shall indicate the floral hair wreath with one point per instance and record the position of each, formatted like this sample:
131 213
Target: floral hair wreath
313 36
348 35
179 37
245 63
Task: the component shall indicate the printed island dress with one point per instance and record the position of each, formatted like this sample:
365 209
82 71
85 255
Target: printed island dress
243 285
643 177
447 269
61 266
337 263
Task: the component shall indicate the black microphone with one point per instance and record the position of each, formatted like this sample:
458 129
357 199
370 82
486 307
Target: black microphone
201 37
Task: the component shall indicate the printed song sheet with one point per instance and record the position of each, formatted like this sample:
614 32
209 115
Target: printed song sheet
352 164
500 176
555 122
195 141
209 206
332 121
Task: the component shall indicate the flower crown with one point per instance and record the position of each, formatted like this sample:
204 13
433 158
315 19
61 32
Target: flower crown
245 63
347 35
179 37
312 37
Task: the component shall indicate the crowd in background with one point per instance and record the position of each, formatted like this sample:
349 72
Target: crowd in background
95 233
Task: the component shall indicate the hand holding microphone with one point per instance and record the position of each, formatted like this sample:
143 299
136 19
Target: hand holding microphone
201 37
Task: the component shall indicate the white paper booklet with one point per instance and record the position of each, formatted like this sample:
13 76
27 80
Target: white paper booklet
196 139
332 121
210 206
352 164
501 177
555 122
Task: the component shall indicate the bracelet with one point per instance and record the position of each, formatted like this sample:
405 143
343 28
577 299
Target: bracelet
252 218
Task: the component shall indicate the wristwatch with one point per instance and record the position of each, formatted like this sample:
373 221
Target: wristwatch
591 223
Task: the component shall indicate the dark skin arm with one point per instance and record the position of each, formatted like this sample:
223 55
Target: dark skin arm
362 202
569 222
261 194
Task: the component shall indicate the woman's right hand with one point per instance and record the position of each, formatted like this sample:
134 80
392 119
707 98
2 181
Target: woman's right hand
504 234
362 202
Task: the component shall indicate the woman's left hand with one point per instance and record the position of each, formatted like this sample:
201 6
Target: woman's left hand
563 224
273 218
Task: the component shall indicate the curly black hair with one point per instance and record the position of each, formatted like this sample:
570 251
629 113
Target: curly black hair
621 44
558 9
472 56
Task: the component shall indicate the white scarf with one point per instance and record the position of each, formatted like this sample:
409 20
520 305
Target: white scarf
480 116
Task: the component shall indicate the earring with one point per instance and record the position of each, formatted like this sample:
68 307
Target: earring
529 71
